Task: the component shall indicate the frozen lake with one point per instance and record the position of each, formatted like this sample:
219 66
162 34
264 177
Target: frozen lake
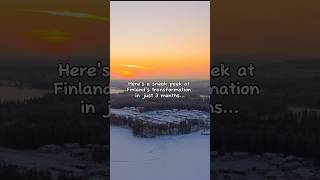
185 157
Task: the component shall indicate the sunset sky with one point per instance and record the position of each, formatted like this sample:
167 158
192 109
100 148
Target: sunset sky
53 29
160 40
159 36
266 27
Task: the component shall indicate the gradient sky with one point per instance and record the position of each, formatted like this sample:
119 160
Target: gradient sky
160 40
251 27
53 29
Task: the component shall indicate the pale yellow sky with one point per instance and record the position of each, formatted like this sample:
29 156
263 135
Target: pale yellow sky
170 39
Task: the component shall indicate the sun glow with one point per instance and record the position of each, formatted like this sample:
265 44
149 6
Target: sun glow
126 74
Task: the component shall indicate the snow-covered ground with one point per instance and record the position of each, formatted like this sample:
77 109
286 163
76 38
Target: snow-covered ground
183 157
56 163
267 166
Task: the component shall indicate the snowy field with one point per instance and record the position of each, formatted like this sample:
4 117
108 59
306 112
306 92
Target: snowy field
183 157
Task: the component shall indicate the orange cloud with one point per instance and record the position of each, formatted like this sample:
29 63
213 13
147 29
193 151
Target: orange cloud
52 36
72 14
133 66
